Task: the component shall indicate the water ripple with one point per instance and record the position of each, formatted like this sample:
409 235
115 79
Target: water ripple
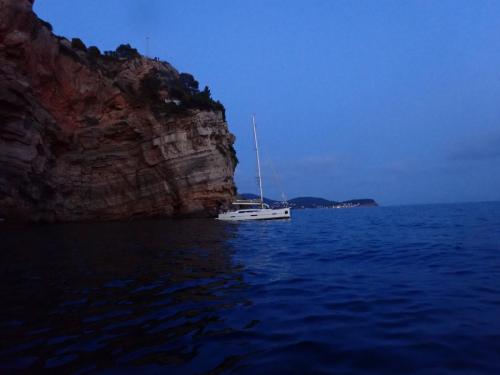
373 291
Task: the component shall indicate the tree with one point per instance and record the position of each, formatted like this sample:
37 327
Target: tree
206 93
189 83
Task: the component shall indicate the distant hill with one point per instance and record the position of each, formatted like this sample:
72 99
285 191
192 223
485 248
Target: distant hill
315 202
311 202
362 202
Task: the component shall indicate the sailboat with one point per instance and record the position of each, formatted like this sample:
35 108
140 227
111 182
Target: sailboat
254 209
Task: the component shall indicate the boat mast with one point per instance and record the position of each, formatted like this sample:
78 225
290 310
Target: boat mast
258 161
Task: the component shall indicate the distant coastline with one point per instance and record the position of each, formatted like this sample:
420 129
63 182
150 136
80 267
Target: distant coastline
315 202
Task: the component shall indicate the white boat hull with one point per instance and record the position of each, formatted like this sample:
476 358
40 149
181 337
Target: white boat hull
256 214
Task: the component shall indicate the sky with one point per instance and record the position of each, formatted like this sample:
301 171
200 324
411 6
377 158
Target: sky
398 101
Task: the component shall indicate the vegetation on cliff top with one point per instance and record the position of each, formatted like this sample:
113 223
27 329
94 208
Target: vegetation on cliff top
77 43
176 96
166 93
124 52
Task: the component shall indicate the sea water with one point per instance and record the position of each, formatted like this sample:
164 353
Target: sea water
413 289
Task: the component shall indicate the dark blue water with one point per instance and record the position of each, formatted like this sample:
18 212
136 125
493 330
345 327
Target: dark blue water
355 291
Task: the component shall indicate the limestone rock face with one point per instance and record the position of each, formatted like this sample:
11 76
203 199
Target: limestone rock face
86 136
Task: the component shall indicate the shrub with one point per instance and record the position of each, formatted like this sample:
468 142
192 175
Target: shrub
201 99
94 52
178 92
78 44
127 52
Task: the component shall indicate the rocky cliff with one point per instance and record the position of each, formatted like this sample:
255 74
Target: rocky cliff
91 136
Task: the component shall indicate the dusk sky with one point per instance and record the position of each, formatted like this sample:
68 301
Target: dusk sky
393 100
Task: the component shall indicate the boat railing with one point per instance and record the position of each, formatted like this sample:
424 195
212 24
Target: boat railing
248 202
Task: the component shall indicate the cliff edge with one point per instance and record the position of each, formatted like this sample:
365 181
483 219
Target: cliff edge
92 136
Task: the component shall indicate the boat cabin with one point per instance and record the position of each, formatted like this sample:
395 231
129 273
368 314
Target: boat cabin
250 205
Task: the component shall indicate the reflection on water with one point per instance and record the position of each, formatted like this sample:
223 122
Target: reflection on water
93 296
